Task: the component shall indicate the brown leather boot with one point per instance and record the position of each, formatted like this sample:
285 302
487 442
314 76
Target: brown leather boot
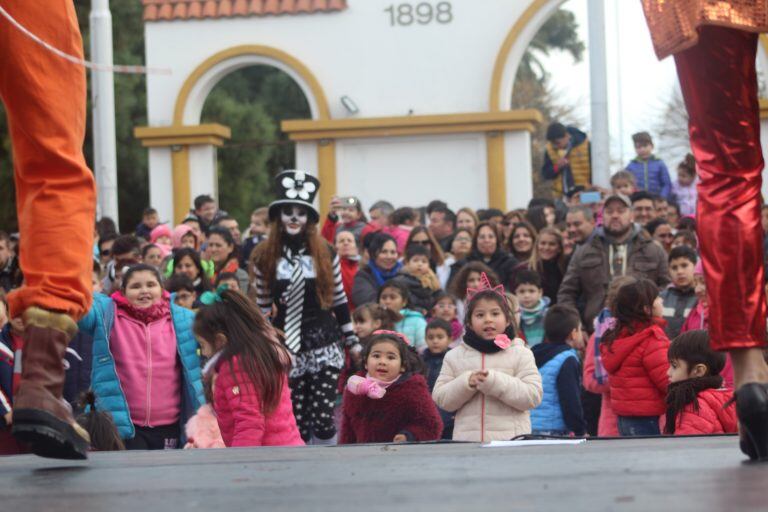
41 417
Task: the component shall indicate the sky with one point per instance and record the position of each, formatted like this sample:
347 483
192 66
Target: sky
639 86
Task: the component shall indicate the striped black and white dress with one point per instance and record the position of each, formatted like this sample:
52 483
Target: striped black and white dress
320 333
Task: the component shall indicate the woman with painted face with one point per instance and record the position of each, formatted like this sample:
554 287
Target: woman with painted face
297 281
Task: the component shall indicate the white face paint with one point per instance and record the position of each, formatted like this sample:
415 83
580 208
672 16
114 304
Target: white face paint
294 219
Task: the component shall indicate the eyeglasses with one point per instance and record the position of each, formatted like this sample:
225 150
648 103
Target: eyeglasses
106 252
421 242
463 239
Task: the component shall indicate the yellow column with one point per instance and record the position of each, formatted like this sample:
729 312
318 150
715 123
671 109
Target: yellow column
497 187
181 188
326 172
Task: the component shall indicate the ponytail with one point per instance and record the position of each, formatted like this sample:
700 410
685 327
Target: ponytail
249 337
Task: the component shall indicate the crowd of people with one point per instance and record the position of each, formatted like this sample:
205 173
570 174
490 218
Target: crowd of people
579 316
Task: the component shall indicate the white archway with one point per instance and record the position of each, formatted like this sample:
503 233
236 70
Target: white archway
214 75
513 49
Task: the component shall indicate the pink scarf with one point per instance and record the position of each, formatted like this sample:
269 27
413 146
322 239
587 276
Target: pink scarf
148 315
369 386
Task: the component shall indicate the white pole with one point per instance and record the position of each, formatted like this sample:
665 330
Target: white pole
103 103
619 84
598 87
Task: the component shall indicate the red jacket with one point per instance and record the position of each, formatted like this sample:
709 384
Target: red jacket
238 411
712 417
406 408
349 270
637 365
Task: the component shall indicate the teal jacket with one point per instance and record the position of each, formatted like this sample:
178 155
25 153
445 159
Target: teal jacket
413 325
104 381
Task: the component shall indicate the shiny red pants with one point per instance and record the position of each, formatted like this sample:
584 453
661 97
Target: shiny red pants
719 84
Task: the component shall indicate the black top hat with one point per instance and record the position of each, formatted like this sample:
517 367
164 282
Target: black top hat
295 188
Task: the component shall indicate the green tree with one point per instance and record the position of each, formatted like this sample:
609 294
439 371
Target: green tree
130 107
252 102
532 88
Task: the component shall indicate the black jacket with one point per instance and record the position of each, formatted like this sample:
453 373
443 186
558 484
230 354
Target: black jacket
433 364
502 263
419 298
677 304
11 276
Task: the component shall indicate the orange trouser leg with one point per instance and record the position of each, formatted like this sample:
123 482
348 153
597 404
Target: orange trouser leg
44 97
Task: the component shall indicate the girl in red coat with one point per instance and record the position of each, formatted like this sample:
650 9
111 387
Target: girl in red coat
634 353
247 373
390 401
697 403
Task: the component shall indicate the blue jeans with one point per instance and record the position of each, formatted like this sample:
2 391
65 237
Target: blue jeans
639 426
563 433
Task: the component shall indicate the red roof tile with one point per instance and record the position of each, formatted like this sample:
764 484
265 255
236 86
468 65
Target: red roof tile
157 10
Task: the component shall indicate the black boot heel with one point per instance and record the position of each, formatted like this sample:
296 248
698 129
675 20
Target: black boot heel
752 410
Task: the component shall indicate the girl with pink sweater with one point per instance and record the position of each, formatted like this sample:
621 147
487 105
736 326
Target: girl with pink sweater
247 373
146 372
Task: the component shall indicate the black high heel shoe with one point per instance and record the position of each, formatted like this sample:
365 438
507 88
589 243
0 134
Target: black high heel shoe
752 410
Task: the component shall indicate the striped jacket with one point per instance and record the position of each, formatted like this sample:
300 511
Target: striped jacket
320 327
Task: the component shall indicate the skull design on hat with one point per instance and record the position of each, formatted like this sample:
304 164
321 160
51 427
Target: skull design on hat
297 188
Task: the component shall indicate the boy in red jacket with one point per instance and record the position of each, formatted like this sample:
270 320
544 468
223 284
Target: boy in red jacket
696 399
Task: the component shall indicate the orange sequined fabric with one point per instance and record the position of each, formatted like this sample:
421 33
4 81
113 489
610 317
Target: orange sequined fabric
674 23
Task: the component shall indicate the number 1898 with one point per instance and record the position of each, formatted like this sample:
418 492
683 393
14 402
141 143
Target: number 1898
423 13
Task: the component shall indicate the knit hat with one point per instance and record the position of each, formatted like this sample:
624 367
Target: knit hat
160 230
180 232
295 188
698 270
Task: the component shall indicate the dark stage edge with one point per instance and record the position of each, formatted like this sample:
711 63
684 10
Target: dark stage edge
643 474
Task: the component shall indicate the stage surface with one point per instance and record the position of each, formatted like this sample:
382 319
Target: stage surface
697 474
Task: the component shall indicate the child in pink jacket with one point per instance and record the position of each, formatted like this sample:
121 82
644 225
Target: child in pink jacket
247 373
595 376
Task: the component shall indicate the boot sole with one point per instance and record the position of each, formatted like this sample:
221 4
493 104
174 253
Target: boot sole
48 436
753 416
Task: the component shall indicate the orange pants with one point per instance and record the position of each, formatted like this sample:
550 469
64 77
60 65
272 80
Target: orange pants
44 97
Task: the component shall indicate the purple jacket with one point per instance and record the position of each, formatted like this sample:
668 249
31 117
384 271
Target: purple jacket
651 175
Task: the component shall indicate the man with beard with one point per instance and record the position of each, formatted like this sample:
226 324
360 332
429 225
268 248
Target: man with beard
617 249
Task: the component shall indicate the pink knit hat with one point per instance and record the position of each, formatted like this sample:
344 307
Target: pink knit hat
180 232
160 230
698 270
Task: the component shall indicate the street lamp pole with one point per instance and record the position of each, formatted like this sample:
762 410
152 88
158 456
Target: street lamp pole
598 87
103 104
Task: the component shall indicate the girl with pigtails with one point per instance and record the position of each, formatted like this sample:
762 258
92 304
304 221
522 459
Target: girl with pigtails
296 278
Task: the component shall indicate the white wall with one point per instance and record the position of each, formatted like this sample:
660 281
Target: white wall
411 171
387 71
161 183
431 68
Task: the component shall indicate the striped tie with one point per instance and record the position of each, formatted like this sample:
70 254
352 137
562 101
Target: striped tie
295 301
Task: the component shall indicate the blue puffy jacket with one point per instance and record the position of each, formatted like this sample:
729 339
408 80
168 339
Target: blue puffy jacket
560 408
651 175
104 381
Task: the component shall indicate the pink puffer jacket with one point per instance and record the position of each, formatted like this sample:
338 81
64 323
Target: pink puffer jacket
238 409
